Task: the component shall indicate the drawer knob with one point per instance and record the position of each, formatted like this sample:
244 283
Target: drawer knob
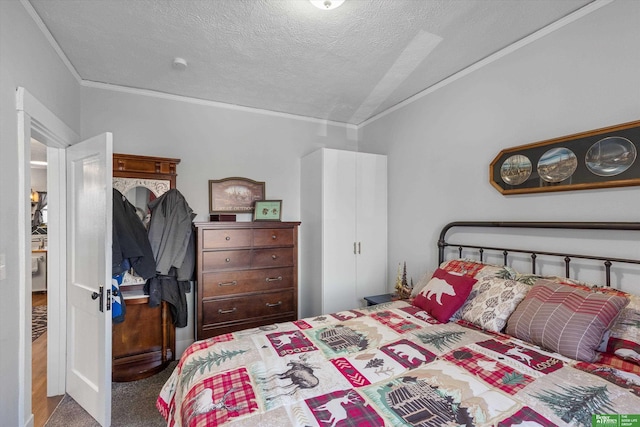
274 305
227 238
274 256
232 310
235 282
274 237
227 260
273 279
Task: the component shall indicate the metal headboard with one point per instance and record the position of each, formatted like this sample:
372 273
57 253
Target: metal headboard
567 257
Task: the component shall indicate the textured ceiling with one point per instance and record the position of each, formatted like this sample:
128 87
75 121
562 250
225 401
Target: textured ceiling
344 65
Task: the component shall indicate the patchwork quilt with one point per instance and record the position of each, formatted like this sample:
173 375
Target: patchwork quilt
387 365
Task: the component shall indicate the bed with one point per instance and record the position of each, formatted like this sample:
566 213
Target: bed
479 343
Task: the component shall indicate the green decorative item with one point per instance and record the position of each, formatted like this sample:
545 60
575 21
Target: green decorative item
403 290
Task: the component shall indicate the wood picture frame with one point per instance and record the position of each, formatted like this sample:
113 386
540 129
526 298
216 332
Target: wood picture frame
268 210
234 195
601 158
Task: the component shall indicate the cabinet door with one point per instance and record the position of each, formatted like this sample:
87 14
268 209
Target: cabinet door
339 234
371 225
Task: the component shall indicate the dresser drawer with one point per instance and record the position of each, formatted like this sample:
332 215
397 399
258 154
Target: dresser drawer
215 239
276 257
225 260
264 323
273 237
243 307
238 282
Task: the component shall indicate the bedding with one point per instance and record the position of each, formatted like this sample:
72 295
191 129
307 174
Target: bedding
389 365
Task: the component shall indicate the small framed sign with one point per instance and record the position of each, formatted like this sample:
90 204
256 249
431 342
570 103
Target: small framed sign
267 210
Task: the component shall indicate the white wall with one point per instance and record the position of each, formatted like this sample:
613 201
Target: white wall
212 143
27 60
39 179
582 77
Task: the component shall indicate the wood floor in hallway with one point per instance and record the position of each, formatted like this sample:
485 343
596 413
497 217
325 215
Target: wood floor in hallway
42 406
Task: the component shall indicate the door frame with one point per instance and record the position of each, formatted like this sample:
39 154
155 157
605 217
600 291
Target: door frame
34 119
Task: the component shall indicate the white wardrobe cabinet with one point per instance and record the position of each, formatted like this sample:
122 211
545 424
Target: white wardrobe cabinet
343 240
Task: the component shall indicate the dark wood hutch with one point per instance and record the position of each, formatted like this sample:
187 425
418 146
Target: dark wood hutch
144 343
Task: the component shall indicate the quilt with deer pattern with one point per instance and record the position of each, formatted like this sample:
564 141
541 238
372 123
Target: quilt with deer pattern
387 365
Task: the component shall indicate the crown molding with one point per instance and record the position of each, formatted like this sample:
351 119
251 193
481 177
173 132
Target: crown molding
216 104
52 41
556 25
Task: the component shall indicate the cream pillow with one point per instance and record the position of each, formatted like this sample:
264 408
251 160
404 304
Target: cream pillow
493 303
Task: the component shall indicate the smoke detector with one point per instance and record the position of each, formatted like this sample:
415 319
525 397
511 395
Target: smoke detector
180 64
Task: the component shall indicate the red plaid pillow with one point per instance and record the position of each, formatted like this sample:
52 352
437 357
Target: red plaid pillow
565 319
444 294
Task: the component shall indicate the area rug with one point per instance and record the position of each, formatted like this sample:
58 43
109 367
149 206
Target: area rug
38 321
133 404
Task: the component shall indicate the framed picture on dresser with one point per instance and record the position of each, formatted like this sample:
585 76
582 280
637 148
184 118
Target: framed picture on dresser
268 210
234 195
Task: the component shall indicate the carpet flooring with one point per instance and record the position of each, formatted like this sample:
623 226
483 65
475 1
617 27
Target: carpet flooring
133 404
38 321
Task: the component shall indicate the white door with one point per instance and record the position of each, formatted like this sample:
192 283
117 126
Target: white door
371 225
339 234
89 217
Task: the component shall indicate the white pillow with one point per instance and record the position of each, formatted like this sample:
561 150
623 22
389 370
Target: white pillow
494 302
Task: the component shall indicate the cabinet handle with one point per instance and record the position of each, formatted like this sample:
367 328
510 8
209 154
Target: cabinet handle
274 256
274 305
354 248
227 260
235 282
227 238
221 311
359 243
274 237
273 279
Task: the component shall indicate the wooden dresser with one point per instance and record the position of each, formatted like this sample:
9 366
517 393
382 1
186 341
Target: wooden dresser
247 275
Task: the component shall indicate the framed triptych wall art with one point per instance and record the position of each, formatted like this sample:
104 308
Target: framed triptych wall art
601 158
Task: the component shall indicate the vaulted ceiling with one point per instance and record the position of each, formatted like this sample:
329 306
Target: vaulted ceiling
344 65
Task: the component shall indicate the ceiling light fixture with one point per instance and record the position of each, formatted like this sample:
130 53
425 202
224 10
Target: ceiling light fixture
326 4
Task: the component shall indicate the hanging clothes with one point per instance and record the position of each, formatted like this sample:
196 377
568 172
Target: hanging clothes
173 244
118 308
130 240
170 230
168 288
130 248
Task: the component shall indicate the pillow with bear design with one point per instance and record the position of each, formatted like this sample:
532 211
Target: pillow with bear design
444 294
468 267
